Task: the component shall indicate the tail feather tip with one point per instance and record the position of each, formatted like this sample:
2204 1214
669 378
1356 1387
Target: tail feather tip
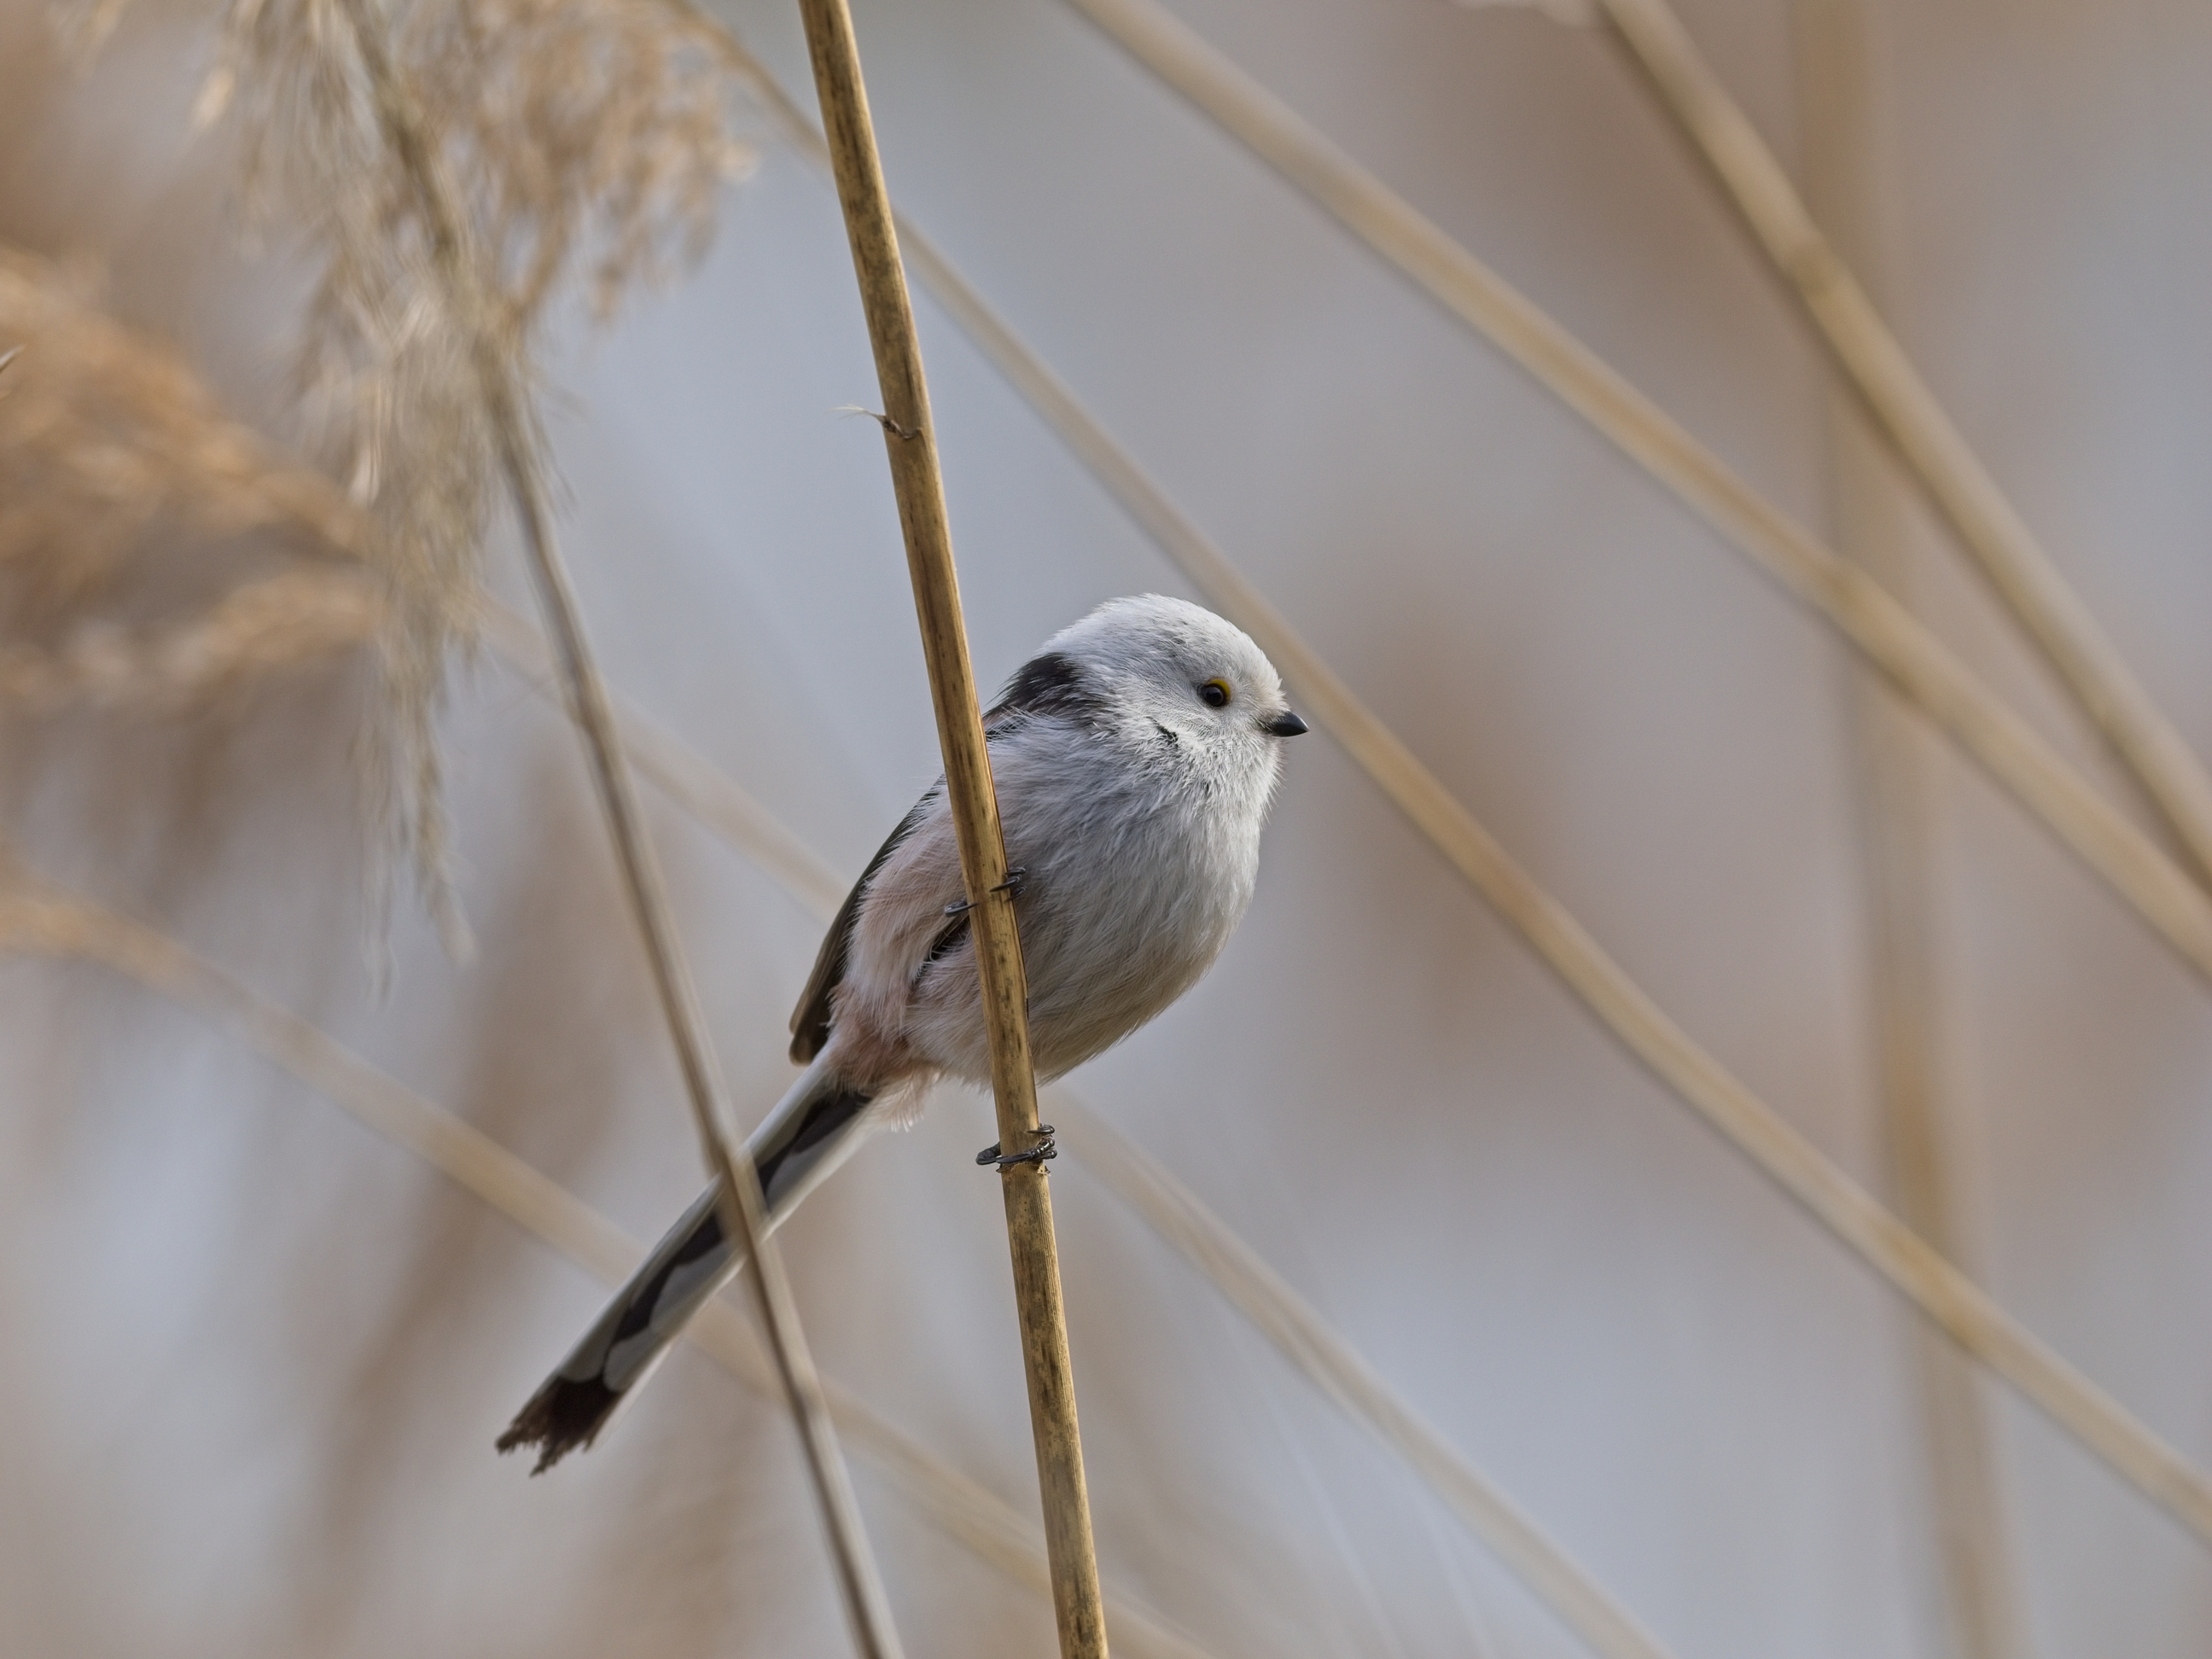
562 1416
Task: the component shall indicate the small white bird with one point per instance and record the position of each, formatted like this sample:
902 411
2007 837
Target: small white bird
1134 758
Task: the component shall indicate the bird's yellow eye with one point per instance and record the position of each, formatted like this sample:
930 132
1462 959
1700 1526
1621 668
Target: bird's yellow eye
1215 693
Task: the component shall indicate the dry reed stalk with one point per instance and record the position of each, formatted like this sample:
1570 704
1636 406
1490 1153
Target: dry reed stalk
1202 1238
1897 821
460 284
1962 1309
685 777
1952 477
37 918
1932 677
910 442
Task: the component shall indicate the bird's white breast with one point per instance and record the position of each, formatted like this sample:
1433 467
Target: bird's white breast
1138 850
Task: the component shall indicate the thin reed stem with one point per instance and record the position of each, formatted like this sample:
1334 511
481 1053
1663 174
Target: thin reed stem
687 777
911 441
1952 477
1926 672
860 1586
37 918
1897 821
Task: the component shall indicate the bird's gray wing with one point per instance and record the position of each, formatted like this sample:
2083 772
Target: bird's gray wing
1050 683
810 1021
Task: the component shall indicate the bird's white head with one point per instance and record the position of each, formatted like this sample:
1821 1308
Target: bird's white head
1177 662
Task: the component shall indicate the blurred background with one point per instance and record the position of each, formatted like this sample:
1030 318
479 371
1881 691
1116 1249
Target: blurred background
256 1353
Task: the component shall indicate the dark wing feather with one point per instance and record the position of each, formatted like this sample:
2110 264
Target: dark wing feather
1051 684
810 1021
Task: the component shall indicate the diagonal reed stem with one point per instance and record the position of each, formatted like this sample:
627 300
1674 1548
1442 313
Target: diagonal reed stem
860 1584
1919 431
1924 670
911 441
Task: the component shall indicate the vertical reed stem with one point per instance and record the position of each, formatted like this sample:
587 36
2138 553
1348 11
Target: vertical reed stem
1871 529
866 1606
910 442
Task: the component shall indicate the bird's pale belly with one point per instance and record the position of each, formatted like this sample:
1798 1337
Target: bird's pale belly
1110 936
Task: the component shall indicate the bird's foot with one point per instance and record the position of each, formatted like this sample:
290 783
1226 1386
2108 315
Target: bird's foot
1013 884
1044 1149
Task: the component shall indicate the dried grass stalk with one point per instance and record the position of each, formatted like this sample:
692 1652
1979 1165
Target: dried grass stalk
491 378
910 446
1898 830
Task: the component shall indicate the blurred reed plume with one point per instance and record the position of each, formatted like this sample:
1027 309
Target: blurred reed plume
259 629
109 442
586 140
114 460
584 133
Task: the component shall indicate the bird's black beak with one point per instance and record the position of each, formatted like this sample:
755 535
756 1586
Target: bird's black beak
1284 724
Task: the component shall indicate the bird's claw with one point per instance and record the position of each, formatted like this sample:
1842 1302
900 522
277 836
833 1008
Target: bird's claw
1045 1148
1013 884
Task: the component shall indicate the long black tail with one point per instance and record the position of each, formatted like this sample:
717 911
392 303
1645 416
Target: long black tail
797 1145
